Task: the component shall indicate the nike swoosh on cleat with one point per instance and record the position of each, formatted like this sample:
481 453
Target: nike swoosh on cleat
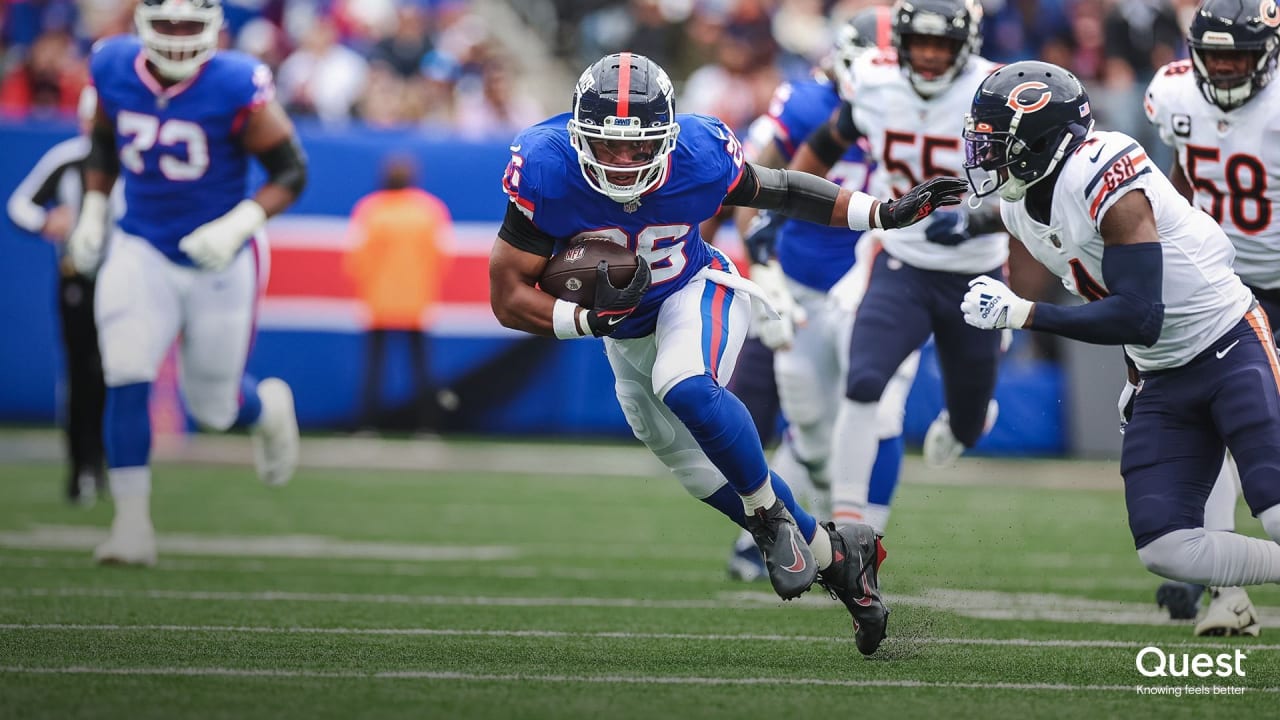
865 600
799 565
1223 352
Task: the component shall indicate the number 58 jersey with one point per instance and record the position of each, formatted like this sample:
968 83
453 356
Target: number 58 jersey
1232 160
180 153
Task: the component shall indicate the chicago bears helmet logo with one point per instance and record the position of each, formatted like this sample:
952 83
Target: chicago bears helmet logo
1015 101
1269 13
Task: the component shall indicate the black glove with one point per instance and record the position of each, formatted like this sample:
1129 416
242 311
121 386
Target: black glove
614 305
762 236
920 201
947 227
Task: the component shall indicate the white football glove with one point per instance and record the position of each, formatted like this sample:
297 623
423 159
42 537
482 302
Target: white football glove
776 332
991 305
215 244
1125 403
84 244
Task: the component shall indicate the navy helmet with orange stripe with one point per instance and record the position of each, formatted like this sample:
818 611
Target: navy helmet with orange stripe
1024 119
870 28
1222 29
624 125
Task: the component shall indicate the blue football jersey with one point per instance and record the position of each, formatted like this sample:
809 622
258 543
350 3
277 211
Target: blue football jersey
545 181
815 255
180 154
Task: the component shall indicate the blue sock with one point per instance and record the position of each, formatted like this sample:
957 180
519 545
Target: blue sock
721 425
885 472
126 425
807 524
250 403
729 503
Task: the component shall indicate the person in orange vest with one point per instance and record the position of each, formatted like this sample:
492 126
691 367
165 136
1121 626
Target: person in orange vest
401 236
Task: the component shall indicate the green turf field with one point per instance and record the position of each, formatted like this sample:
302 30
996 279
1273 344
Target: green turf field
506 595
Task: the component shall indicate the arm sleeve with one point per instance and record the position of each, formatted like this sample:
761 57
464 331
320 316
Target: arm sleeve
520 232
1133 312
791 193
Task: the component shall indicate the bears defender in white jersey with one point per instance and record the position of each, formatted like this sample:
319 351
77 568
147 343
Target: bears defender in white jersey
180 120
1157 277
1217 110
646 178
907 102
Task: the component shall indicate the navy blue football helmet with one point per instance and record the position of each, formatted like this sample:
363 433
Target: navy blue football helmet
868 29
1024 119
622 99
957 20
1234 26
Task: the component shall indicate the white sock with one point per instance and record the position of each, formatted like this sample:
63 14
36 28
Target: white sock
1211 558
855 442
1220 508
820 546
129 482
877 516
761 498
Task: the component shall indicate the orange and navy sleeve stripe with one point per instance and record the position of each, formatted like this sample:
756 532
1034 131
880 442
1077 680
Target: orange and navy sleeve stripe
1115 174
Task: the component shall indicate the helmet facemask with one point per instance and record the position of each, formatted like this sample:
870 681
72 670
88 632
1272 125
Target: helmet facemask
1005 163
604 132
179 35
1230 91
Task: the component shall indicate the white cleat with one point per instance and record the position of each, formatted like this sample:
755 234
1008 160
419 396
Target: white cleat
1230 613
132 540
941 448
275 437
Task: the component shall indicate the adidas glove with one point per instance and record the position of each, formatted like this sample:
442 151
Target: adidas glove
776 332
920 201
216 243
613 305
991 305
84 244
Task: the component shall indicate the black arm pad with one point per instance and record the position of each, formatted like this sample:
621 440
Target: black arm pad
102 151
795 194
286 165
822 141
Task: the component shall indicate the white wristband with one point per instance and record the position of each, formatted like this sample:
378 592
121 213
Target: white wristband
860 207
569 320
245 218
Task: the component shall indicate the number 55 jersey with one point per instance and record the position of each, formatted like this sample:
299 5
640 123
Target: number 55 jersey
180 154
1232 160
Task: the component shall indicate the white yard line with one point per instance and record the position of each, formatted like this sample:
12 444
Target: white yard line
985 605
623 460
615 635
564 679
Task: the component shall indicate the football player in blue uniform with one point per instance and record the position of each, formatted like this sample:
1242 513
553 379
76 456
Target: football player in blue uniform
180 120
798 264
623 165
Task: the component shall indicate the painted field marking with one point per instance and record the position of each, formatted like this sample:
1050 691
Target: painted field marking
606 635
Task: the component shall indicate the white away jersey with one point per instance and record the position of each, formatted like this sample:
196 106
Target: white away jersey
1203 298
914 139
1232 159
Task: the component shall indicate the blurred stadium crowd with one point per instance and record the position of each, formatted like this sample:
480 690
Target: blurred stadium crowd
440 63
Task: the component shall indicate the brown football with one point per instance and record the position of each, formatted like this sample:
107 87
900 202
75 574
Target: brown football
571 274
